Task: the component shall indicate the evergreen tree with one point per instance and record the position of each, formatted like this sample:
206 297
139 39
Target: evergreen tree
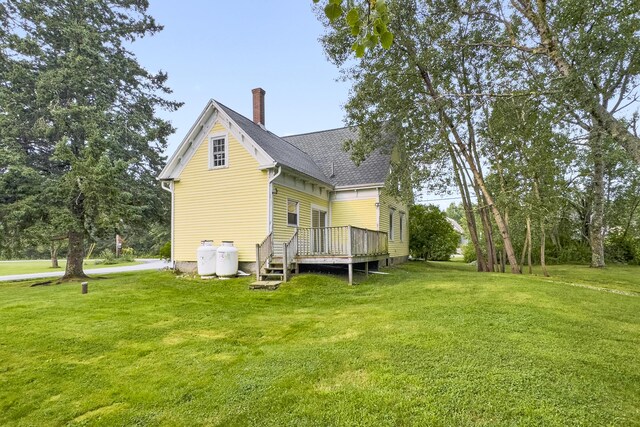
80 140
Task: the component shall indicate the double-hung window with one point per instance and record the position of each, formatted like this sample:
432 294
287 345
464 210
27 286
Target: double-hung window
218 152
293 211
401 229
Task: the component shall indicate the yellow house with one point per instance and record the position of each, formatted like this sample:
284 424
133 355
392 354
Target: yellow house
283 201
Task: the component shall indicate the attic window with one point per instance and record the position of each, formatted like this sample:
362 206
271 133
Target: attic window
218 152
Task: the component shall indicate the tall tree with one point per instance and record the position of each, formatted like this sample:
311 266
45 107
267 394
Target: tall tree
79 113
406 90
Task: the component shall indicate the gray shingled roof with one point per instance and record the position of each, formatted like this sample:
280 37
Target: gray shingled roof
319 155
280 150
326 149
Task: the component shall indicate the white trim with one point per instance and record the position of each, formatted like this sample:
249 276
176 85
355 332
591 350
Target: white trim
392 236
270 200
171 189
225 137
190 143
294 182
401 227
207 119
356 194
297 224
378 209
359 186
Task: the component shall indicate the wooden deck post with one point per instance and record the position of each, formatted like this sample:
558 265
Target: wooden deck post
351 273
285 263
257 261
349 248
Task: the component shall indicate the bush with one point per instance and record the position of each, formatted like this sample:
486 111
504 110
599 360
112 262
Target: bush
623 249
106 257
127 255
431 235
165 251
469 253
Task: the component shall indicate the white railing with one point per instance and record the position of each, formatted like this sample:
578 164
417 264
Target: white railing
264 252
341 241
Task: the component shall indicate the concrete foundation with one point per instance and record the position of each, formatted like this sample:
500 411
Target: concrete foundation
396 260
192 266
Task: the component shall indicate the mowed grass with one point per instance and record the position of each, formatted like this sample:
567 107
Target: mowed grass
429 344
9 268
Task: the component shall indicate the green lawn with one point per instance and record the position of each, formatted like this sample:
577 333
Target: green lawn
429 344
44 266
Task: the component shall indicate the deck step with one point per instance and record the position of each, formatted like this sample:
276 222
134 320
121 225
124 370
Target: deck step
265 285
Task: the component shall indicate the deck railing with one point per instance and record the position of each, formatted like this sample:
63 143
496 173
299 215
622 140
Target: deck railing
264 252
341 241
289 252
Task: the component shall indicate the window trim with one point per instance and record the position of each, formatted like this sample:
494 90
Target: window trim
402 227
297 202
214 137
392 212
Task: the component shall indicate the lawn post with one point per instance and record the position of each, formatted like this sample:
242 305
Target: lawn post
85 287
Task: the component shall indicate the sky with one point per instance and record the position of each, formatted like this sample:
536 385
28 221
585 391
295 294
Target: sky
223 49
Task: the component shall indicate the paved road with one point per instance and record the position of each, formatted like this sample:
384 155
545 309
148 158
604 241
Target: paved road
147 264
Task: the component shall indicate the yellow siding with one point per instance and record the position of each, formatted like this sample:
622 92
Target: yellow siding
281 231
220 204
397 246
360 213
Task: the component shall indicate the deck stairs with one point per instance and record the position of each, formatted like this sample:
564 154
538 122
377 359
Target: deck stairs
274 270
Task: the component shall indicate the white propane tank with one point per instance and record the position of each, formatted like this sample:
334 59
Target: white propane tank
227 260
207 258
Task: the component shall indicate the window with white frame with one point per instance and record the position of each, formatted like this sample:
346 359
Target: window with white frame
391 227
401 229
293 211
218 150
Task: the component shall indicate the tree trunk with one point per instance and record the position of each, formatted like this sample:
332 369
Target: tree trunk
448 124
543 262
596 235
54 254
75 257
524 247
461 181
529 245
488 237
543 236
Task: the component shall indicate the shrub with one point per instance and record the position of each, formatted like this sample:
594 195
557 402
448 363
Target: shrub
431 235
127 255
106 257
165 251
469 253
624 249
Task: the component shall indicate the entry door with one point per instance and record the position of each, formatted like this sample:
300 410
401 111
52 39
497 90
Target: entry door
318 235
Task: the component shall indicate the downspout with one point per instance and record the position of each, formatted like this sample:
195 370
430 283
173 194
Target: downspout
170 189
378 209
270 199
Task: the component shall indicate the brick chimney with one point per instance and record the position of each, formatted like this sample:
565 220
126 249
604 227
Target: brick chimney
258 105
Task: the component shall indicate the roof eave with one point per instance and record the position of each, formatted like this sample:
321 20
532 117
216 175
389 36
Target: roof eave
171 163
359 186
296 171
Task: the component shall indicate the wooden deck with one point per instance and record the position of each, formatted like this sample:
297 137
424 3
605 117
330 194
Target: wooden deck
325 245
336 245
